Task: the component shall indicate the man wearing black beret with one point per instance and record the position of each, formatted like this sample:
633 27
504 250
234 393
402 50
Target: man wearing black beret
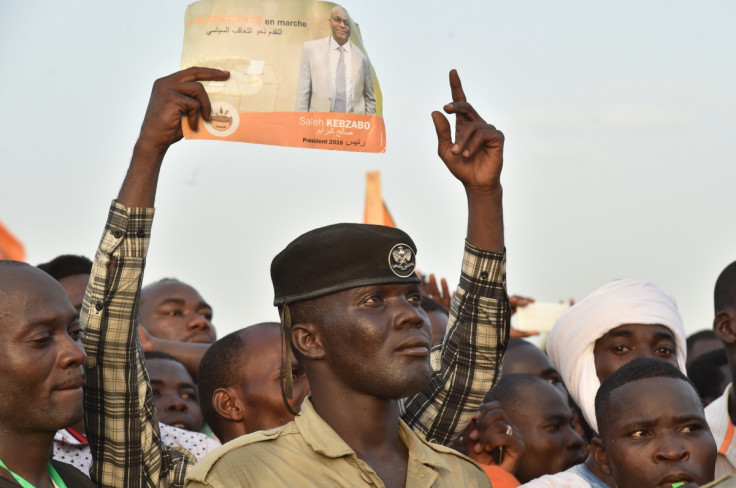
124 435
349 303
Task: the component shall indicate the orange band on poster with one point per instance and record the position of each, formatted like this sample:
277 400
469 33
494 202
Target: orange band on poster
320 130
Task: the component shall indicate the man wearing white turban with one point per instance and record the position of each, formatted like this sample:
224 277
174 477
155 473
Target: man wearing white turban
620 321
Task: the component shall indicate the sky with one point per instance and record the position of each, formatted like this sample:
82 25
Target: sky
619 159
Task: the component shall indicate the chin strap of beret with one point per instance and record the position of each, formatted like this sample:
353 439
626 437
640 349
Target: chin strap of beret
286 379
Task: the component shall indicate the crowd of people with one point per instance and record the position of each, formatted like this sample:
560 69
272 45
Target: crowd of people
371 377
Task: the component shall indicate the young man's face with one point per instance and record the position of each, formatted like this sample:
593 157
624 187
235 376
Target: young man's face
259 387
41 355
656 436
545 422
175 395
176 311
630 341
377 340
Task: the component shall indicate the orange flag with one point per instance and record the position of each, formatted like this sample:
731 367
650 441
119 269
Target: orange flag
10 246
376 211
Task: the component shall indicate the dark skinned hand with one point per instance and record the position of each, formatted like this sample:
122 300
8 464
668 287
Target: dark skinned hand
430 289
487 432
148 342
172 97
476 156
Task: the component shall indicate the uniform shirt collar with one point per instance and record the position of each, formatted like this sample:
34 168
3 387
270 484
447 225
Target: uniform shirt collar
324 440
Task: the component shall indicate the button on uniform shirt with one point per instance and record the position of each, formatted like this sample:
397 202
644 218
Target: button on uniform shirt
308 453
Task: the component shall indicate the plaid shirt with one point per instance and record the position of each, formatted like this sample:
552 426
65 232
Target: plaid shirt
121 422
468 361
120 417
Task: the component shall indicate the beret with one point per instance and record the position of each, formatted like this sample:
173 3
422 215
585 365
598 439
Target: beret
339 257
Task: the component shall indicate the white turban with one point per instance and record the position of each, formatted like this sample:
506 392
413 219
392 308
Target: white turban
572 338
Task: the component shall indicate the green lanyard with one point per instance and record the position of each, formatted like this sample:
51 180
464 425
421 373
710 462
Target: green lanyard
52 472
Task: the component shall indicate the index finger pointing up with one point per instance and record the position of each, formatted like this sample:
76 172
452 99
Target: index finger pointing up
458 95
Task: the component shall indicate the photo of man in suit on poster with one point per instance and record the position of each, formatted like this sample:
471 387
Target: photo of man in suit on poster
334 74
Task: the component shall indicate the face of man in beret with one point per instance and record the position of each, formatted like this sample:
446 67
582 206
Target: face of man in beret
377 339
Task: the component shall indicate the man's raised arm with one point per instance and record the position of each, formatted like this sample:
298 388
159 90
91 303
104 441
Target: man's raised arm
172 97
476 159
468 362
121 423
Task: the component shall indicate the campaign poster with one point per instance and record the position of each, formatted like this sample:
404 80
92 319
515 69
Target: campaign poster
300 75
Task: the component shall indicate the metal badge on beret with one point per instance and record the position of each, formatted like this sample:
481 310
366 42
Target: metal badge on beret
401 260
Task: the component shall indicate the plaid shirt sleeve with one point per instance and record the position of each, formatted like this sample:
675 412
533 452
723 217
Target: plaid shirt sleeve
120 416
467 363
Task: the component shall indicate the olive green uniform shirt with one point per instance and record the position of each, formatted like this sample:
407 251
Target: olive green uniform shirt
307 453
